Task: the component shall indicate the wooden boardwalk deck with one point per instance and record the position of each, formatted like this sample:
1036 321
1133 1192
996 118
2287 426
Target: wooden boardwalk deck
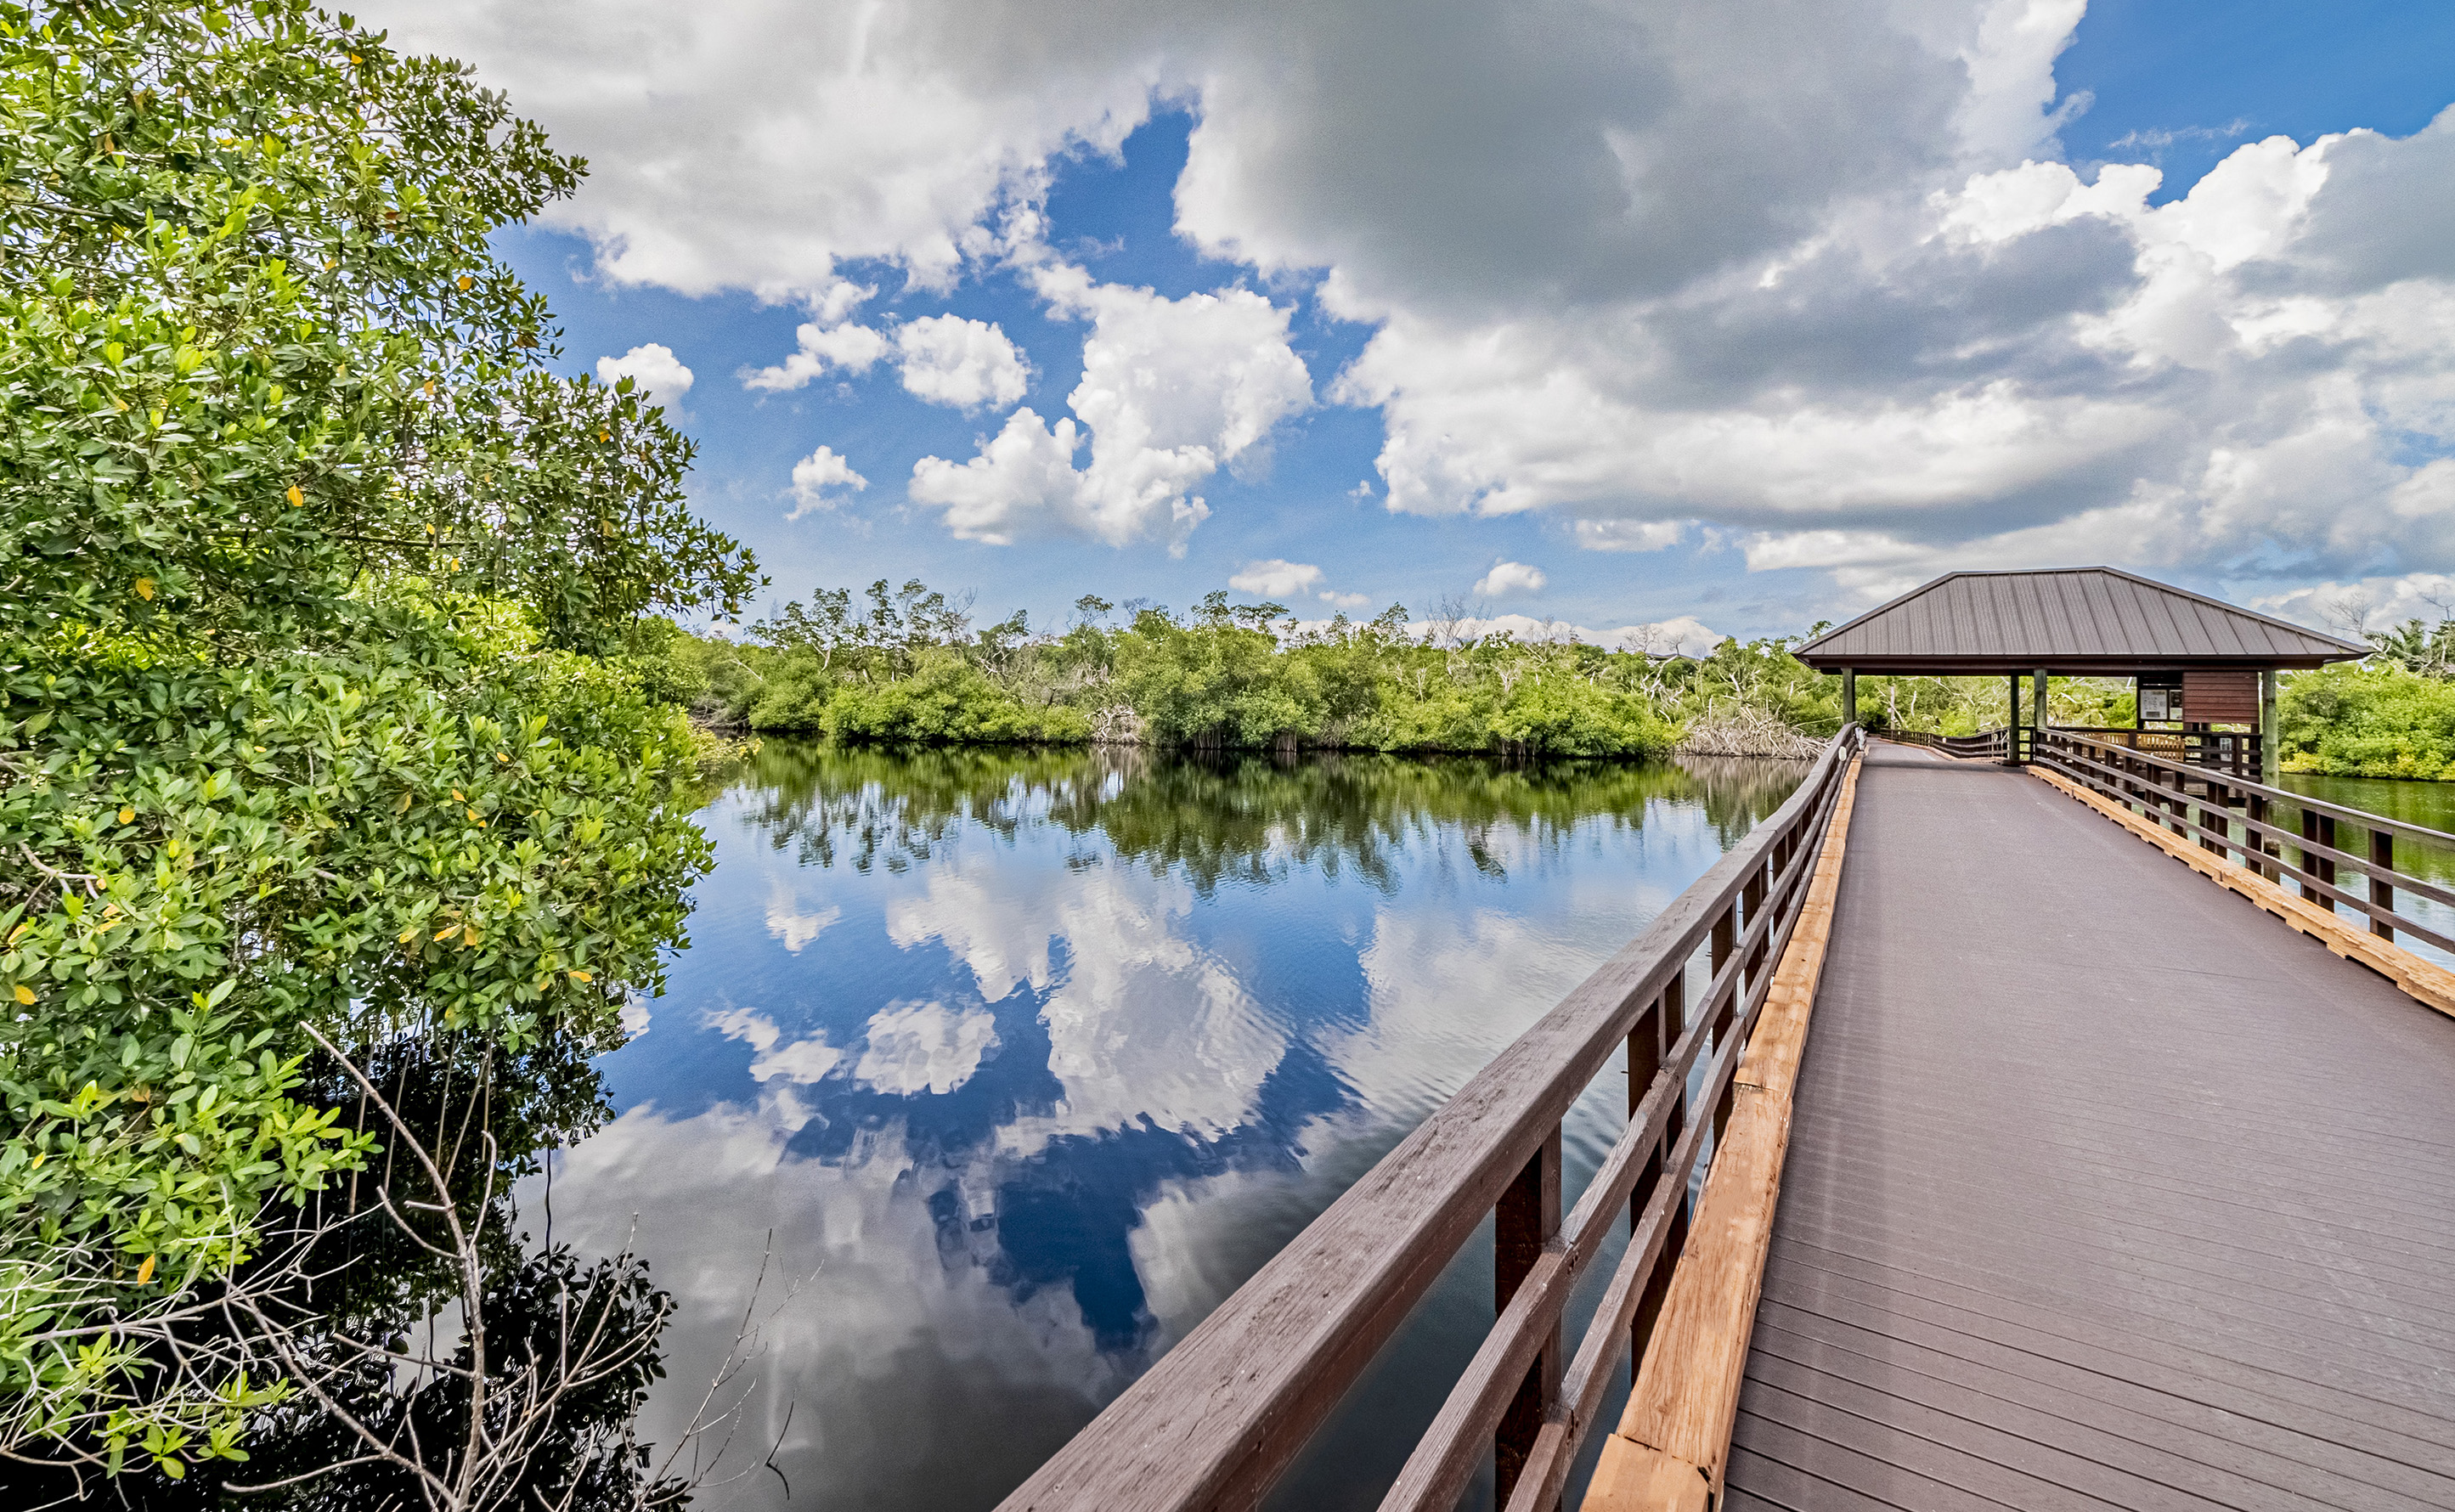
2104 1188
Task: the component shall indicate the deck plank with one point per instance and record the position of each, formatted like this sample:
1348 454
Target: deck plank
2105 1188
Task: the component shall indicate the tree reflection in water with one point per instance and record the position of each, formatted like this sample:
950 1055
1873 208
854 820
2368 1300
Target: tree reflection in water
570 1343
1236 816
1032 1057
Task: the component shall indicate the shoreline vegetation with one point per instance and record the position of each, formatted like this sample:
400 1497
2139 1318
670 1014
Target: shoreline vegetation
908 666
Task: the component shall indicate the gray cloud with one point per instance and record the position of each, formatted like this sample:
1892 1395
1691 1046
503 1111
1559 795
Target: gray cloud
1807 272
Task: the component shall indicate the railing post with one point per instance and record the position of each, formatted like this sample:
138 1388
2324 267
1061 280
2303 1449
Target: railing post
2381 891
1647 1044
2319 829
2253 811
1752 900
1526 1219
1726 943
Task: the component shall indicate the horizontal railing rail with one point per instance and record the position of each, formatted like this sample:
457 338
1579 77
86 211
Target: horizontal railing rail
2160 791
1217 1421
1985 744
2236 751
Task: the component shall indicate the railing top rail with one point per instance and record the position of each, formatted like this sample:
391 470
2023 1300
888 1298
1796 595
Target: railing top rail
2361 817
2073 765
1222 1414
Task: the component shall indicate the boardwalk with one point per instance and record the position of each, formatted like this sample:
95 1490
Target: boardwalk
2104 1188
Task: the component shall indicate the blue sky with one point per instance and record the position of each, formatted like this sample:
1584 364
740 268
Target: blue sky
1620 381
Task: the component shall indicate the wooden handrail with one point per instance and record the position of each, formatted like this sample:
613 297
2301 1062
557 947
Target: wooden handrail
1219 1417
2300 801
2121 783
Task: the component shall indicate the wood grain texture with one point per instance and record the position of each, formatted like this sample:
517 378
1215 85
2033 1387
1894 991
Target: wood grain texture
1219 1417
1631 1478
1687 1388
2423 981
2101 1190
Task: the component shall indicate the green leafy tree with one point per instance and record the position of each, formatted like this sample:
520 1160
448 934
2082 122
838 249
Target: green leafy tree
310 560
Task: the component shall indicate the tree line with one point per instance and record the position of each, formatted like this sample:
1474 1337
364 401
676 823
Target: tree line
911 665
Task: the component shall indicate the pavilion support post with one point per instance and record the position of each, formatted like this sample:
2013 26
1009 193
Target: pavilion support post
1849 695
2267 752
2012 722
2037 712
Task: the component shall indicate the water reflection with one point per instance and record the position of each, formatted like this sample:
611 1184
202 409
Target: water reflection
1027 1059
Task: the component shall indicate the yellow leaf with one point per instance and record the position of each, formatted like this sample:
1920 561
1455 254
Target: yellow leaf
354 58
145 1272
578 976
457 797
465 280
430 393
472 814
127 816
145 588
406 799
23 996
447 932
408 933
469 938
296 498
502 755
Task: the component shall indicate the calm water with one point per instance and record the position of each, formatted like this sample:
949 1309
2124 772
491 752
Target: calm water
2429 805
1020 1063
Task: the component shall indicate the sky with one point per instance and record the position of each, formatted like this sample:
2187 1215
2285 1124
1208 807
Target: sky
1723 317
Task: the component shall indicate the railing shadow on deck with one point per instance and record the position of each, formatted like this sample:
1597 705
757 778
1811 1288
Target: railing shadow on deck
1217 1421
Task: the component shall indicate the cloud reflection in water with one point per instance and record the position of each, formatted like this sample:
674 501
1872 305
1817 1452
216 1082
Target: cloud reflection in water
1086 1039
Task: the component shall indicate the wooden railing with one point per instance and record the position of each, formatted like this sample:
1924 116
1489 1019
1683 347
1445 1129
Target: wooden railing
2235 752
1986 745
1219 1417
2231 751
2195 803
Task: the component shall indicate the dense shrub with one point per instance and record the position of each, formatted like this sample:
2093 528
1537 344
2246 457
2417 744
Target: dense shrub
2369 720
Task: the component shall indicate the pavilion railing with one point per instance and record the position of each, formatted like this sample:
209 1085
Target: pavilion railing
2194 801
2232 751
1985 745
1217 1421
2235 752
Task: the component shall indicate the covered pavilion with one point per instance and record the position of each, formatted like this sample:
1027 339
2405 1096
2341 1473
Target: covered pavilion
2197 663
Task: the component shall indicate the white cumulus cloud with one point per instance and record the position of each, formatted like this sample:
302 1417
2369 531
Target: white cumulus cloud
1788 271
821 481
652 367
946 359
1509 579
1173 389
843 347
1275 578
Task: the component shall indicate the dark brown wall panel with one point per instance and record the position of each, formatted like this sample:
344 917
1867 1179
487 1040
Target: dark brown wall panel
2221 696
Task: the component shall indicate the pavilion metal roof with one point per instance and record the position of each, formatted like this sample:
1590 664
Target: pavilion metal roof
2074 619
